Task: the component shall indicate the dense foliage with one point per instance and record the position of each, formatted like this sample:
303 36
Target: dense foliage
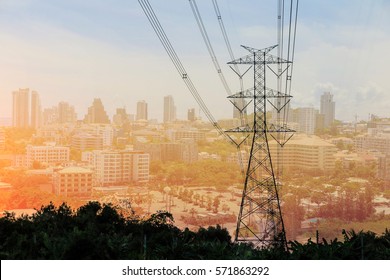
98 231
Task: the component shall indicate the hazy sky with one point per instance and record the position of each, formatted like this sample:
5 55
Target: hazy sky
74 51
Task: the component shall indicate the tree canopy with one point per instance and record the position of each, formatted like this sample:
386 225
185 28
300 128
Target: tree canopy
96 231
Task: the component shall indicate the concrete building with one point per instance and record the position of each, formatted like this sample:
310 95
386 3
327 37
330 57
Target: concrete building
307 120
46 155
20 106
50 115
384 167
116 167
86 141
66 113
19 161
169 109
320 122
96 113
327 108
378 142
194 134
306 152
185 150
121 117
191 115
36 110
73 182
142 110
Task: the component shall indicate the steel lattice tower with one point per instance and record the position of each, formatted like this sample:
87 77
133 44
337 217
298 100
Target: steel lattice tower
260 219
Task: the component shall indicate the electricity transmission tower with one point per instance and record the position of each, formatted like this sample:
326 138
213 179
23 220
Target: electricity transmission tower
260 220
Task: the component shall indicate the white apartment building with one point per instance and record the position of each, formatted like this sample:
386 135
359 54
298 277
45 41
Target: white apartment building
379 142
113 167
46 155
307 120
194 134
306 152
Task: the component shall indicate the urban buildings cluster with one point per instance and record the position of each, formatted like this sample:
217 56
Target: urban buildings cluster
79 154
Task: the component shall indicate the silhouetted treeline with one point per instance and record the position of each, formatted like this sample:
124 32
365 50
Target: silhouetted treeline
98 231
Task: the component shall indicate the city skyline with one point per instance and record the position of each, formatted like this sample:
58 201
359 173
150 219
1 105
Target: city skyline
64 112
93 49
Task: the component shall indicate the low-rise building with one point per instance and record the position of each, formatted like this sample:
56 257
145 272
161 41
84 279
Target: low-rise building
87 141
185 150
306 152
194 134
46 155
379 142
116 167
73 181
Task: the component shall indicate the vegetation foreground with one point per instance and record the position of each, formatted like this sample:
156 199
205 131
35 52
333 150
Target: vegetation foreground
96 231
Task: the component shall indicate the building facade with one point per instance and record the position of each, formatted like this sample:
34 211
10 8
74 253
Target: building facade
96 113
116 167
36 110
20 106
194 134
327 108
46 155
142 110
86 141
191 115
169 109
307 120
73 181
66 113
306 152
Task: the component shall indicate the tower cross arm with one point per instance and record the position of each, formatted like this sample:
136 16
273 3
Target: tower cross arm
257 58
265 50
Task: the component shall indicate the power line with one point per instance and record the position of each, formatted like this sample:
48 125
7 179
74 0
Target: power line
210 49
148 10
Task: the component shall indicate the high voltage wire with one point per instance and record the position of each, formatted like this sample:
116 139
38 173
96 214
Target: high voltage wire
148 10
254 177
210 49
224 34
243 114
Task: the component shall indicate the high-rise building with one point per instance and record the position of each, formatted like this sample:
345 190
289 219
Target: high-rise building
96 113
50 115
327 108
36 110
307 120
121 117
169 109
142 110
191 115
66 113
20 113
